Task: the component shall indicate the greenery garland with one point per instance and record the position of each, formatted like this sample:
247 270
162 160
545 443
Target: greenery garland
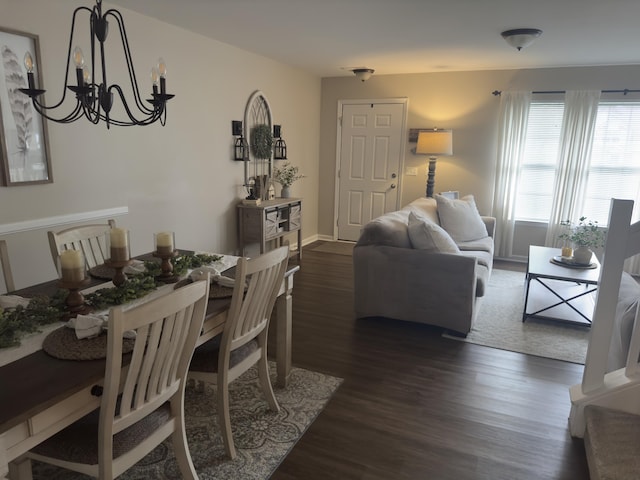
44 310
19 321
261 141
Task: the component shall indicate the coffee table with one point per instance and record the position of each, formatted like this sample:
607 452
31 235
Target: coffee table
558 292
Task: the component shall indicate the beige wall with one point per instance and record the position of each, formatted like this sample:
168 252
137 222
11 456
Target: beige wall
179 177
463 102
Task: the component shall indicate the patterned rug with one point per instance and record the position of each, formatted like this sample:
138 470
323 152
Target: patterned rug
499 324
262 437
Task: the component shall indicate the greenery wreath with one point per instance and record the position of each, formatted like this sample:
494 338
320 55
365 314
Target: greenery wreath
261 141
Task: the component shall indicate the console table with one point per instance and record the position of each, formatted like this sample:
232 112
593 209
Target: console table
271 220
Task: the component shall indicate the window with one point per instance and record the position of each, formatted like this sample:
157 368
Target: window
614 168
538 167
615 159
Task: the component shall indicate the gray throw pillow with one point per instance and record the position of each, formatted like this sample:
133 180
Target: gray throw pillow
460 218
426 235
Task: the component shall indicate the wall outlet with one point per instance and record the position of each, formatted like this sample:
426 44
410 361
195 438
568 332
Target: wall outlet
411 171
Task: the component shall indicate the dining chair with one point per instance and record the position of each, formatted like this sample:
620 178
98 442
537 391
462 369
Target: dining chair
142 404
90 239
243 342
6 267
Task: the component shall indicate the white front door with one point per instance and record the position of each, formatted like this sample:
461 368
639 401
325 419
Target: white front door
370 149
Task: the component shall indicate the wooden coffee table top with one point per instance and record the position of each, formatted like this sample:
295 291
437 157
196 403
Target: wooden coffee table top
540 265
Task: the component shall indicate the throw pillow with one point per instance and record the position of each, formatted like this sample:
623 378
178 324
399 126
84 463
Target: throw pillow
426 235
426 206
460 218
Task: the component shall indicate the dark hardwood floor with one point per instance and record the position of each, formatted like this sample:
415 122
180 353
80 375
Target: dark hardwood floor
414 405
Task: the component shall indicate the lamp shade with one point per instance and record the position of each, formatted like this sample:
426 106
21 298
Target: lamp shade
435 142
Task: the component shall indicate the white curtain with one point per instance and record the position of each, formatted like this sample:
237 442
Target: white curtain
576 140
512 130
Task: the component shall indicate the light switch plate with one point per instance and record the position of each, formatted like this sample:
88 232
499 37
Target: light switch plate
411 171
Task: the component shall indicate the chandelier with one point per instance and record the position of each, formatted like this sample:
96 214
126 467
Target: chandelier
94 100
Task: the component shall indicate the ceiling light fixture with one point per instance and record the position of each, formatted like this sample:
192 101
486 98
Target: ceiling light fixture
363 74
94 100
521 37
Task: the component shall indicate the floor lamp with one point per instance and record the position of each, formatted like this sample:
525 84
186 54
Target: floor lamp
435 143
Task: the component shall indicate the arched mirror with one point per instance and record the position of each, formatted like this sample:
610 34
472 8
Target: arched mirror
258 130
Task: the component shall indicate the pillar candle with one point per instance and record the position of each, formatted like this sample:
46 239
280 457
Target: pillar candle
72 266
164 243
119 240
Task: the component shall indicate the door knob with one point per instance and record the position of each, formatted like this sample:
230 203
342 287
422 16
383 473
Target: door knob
393 185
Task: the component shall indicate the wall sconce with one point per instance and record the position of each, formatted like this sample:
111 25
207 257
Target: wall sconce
240 148
279 147
435 143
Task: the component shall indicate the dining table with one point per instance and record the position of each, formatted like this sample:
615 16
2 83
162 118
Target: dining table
41 395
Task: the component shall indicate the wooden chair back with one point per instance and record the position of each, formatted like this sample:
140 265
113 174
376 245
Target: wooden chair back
250 311
167 329
6 267
89 239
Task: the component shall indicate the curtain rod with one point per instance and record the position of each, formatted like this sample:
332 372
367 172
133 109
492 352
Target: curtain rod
624 91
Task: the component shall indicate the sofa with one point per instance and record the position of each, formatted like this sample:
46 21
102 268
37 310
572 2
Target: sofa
428 262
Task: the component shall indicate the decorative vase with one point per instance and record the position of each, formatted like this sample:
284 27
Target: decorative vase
285 193
582 254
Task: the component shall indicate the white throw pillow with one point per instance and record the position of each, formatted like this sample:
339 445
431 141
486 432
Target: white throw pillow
427 207
426 235
460 218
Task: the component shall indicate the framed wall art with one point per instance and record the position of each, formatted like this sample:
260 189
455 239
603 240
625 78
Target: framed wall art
24 145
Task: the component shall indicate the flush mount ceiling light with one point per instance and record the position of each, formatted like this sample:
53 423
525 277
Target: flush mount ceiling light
521 37
363 74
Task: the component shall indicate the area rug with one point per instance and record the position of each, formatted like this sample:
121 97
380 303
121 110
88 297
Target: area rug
262 437
339 248
499 324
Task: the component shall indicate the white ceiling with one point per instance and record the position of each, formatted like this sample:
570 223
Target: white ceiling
330 37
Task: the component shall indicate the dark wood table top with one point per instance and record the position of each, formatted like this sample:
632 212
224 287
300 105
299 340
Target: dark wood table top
35 382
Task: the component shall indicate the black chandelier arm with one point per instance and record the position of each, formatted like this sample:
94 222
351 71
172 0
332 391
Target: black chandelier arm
152 116
129 59
71 117
40 107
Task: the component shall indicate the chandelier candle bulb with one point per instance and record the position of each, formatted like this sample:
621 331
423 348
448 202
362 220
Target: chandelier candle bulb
119 241
72 266
164 243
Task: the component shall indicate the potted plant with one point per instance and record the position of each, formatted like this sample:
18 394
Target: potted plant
285 176
584 236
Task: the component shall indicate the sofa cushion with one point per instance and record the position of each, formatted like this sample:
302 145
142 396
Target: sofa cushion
388 229
426 206
484 258
482 244
426 235
460 217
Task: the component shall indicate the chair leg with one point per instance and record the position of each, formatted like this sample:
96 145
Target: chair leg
20 469
265 382
181 447
224 418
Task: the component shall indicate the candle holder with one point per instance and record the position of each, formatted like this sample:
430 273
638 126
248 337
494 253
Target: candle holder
119 277
166 266
75 300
